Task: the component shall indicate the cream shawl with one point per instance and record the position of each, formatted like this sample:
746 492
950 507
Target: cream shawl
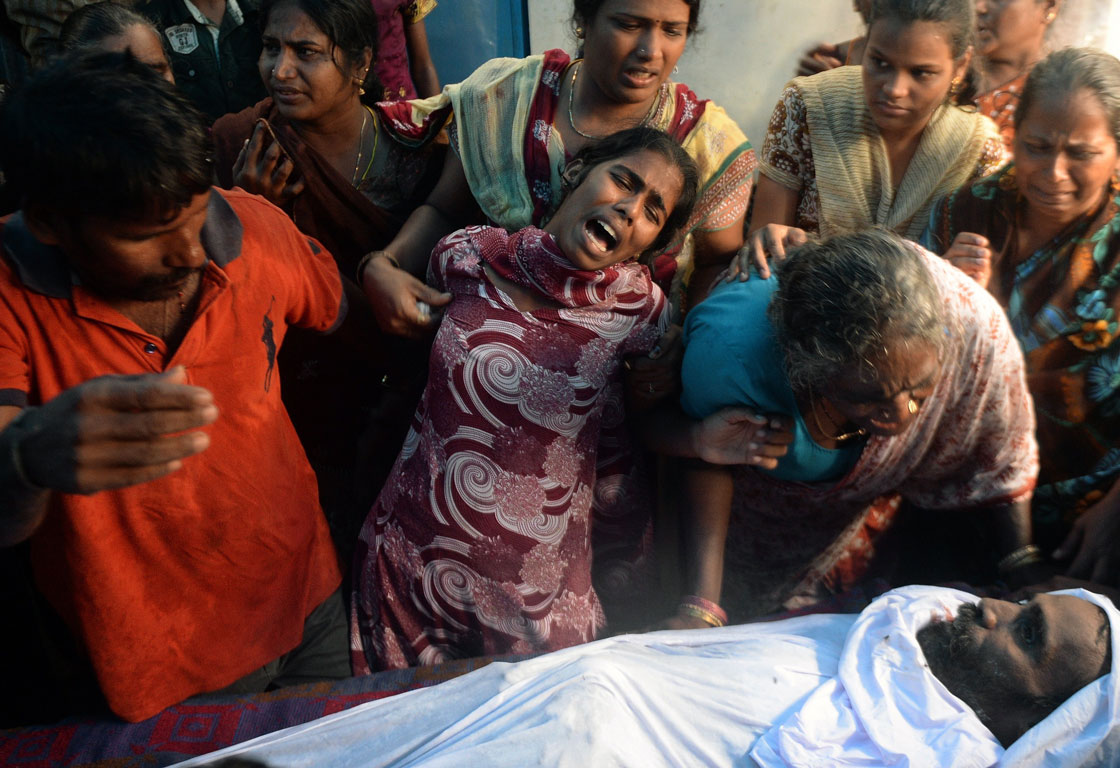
853 172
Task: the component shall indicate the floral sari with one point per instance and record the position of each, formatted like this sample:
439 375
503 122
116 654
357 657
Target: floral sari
504 134
1063 301
480 542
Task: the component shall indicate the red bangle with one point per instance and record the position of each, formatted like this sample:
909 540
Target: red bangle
705 605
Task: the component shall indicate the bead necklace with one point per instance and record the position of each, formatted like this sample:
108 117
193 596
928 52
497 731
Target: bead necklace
653 115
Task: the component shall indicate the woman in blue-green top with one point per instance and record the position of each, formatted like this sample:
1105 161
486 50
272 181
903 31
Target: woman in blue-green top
882 373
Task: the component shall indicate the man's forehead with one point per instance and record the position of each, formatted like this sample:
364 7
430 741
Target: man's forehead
155 218
1080 640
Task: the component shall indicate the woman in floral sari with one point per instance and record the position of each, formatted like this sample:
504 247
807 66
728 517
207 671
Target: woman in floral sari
516 121
1044 236
480 542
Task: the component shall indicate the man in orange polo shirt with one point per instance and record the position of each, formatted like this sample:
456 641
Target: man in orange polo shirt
144 450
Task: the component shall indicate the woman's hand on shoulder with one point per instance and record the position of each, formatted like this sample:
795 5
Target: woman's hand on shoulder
821 58
402 305
264 168
971 253
740 436
764 245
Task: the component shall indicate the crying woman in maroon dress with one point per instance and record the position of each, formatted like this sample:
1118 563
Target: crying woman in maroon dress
479 542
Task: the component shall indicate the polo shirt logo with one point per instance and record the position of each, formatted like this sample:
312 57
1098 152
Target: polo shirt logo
183 38
269 344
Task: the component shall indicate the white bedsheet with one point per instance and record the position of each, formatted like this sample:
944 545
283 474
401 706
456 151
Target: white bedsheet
826 690
662 699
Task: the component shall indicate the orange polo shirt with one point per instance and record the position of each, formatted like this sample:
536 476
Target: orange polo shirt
187 583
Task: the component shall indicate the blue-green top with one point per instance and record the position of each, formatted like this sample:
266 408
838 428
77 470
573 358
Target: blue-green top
732 359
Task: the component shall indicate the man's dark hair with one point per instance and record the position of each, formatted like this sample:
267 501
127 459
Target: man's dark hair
633 140
92 23
101 134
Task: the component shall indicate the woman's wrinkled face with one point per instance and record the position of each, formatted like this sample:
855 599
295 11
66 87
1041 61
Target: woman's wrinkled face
908 69
1065 156
142 42
631 46
303 70
877 397
617 211
1010 28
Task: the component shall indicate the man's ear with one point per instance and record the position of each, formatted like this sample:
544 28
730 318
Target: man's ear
572 174
46 224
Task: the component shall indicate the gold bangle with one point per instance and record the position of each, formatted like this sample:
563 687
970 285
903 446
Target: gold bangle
1025 555
697 612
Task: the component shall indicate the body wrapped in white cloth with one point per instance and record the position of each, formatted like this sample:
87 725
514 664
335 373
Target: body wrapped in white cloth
835 690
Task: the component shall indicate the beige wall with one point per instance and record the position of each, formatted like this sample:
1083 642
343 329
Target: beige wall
746 50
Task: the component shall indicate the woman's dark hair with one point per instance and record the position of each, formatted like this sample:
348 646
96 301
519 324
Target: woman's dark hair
842 302
91 24
636 140
584 12
1070 70
957 16
350 25
102 134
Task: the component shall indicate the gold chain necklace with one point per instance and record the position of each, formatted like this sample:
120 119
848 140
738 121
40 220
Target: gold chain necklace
654 113
376 139
861 432
361 146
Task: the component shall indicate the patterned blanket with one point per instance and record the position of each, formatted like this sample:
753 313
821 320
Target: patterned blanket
208 723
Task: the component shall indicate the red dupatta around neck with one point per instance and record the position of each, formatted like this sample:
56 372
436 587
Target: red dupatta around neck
532 260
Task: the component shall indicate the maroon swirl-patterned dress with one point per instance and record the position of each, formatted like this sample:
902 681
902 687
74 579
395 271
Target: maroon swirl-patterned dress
480 540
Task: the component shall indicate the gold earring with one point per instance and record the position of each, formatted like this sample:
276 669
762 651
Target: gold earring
1050 17
912 406
579 33
361 82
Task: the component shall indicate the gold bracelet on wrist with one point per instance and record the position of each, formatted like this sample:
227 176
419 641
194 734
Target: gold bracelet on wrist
697 612
1025 555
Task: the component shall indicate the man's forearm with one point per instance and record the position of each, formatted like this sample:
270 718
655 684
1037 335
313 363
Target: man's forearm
1011 527
25 504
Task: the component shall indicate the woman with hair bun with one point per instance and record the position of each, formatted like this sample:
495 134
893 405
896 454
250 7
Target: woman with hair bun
315 148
